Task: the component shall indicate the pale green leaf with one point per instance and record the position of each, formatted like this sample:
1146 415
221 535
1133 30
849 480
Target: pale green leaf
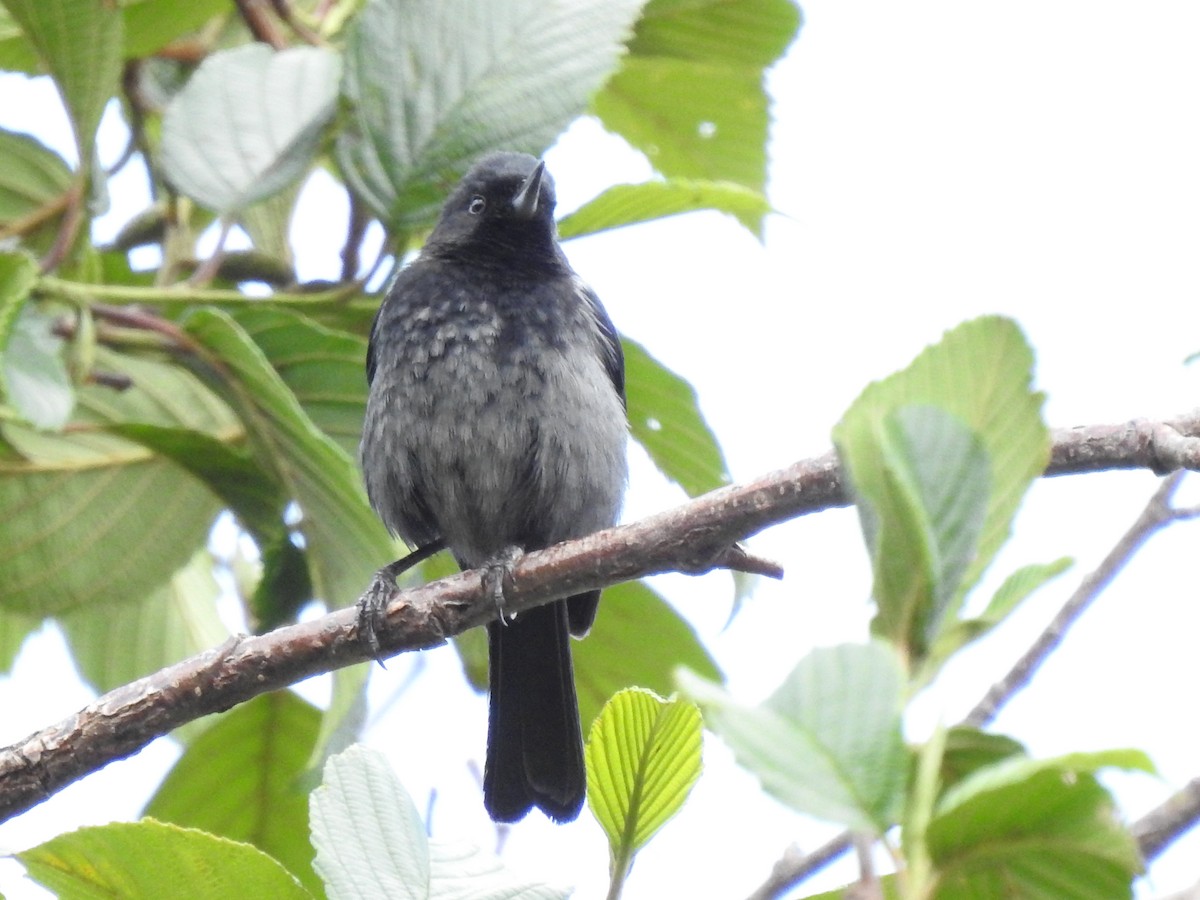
241 779
433 84
247 123
34 375
665 418
81 43
369 838
18 273
828 741
150 860
629 204
643 756
34 183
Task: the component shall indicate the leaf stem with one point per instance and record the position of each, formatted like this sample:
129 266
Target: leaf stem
76 292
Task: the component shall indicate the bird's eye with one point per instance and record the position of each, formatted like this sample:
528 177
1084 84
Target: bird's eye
476 205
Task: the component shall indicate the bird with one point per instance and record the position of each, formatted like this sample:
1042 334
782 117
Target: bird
495 425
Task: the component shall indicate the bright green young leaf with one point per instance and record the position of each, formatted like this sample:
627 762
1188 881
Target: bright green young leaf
370 842
1034 828
638 639
643 756
433 84
690 94
87 517
34 182
979 376
628 204
117 644
247 123
344 540
16 51
241 779
665 418
81 43
828 741
148 860
324 368
969 750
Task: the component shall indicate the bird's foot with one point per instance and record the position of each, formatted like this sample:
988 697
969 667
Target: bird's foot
497 575
372 609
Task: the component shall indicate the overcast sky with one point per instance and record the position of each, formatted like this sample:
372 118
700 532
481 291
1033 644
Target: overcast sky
932 161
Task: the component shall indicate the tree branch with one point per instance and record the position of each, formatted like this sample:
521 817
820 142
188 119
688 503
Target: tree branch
694 538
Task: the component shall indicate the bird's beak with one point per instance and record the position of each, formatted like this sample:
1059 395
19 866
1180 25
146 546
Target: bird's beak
525 200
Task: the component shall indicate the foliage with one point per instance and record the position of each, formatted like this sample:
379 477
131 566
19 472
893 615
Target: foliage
135 408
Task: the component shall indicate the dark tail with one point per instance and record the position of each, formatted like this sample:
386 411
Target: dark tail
535 748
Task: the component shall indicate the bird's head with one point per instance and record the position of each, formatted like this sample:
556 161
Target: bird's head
504 203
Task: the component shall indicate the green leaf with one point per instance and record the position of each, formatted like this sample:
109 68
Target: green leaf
325 369
152 24
370 842
628 204
979 376
960 632
828 741
147 859
123 518
344 540
14 628
638 639
241 779
433 84
1034 828
117 644
969 750
923 519
81 43
643 756
34 182
247 123
690 94
33 376
18 273
665 418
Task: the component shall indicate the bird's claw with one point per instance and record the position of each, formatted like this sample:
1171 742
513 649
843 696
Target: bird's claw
497 576
372 610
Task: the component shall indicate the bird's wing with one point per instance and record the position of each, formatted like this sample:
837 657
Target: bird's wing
610 341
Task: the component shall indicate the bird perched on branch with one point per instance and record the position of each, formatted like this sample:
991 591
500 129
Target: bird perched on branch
495 425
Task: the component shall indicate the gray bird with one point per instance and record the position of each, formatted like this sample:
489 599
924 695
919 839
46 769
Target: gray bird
496 424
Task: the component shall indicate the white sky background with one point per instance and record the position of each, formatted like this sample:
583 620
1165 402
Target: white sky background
934 161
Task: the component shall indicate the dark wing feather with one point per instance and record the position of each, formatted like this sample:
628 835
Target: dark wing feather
610 341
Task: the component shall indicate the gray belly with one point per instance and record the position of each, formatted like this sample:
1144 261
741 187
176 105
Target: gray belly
488 457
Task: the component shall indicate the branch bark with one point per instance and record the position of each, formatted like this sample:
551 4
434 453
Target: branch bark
692 538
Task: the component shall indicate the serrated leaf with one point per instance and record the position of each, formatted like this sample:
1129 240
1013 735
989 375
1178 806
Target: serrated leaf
638 639
629 204
117 644
643 756
146 860
1034 828
366 830
344 540
433 84
828 741
126 519
34 184
665 418
247 123
241 779
690 94
81 43
370 843
979 375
